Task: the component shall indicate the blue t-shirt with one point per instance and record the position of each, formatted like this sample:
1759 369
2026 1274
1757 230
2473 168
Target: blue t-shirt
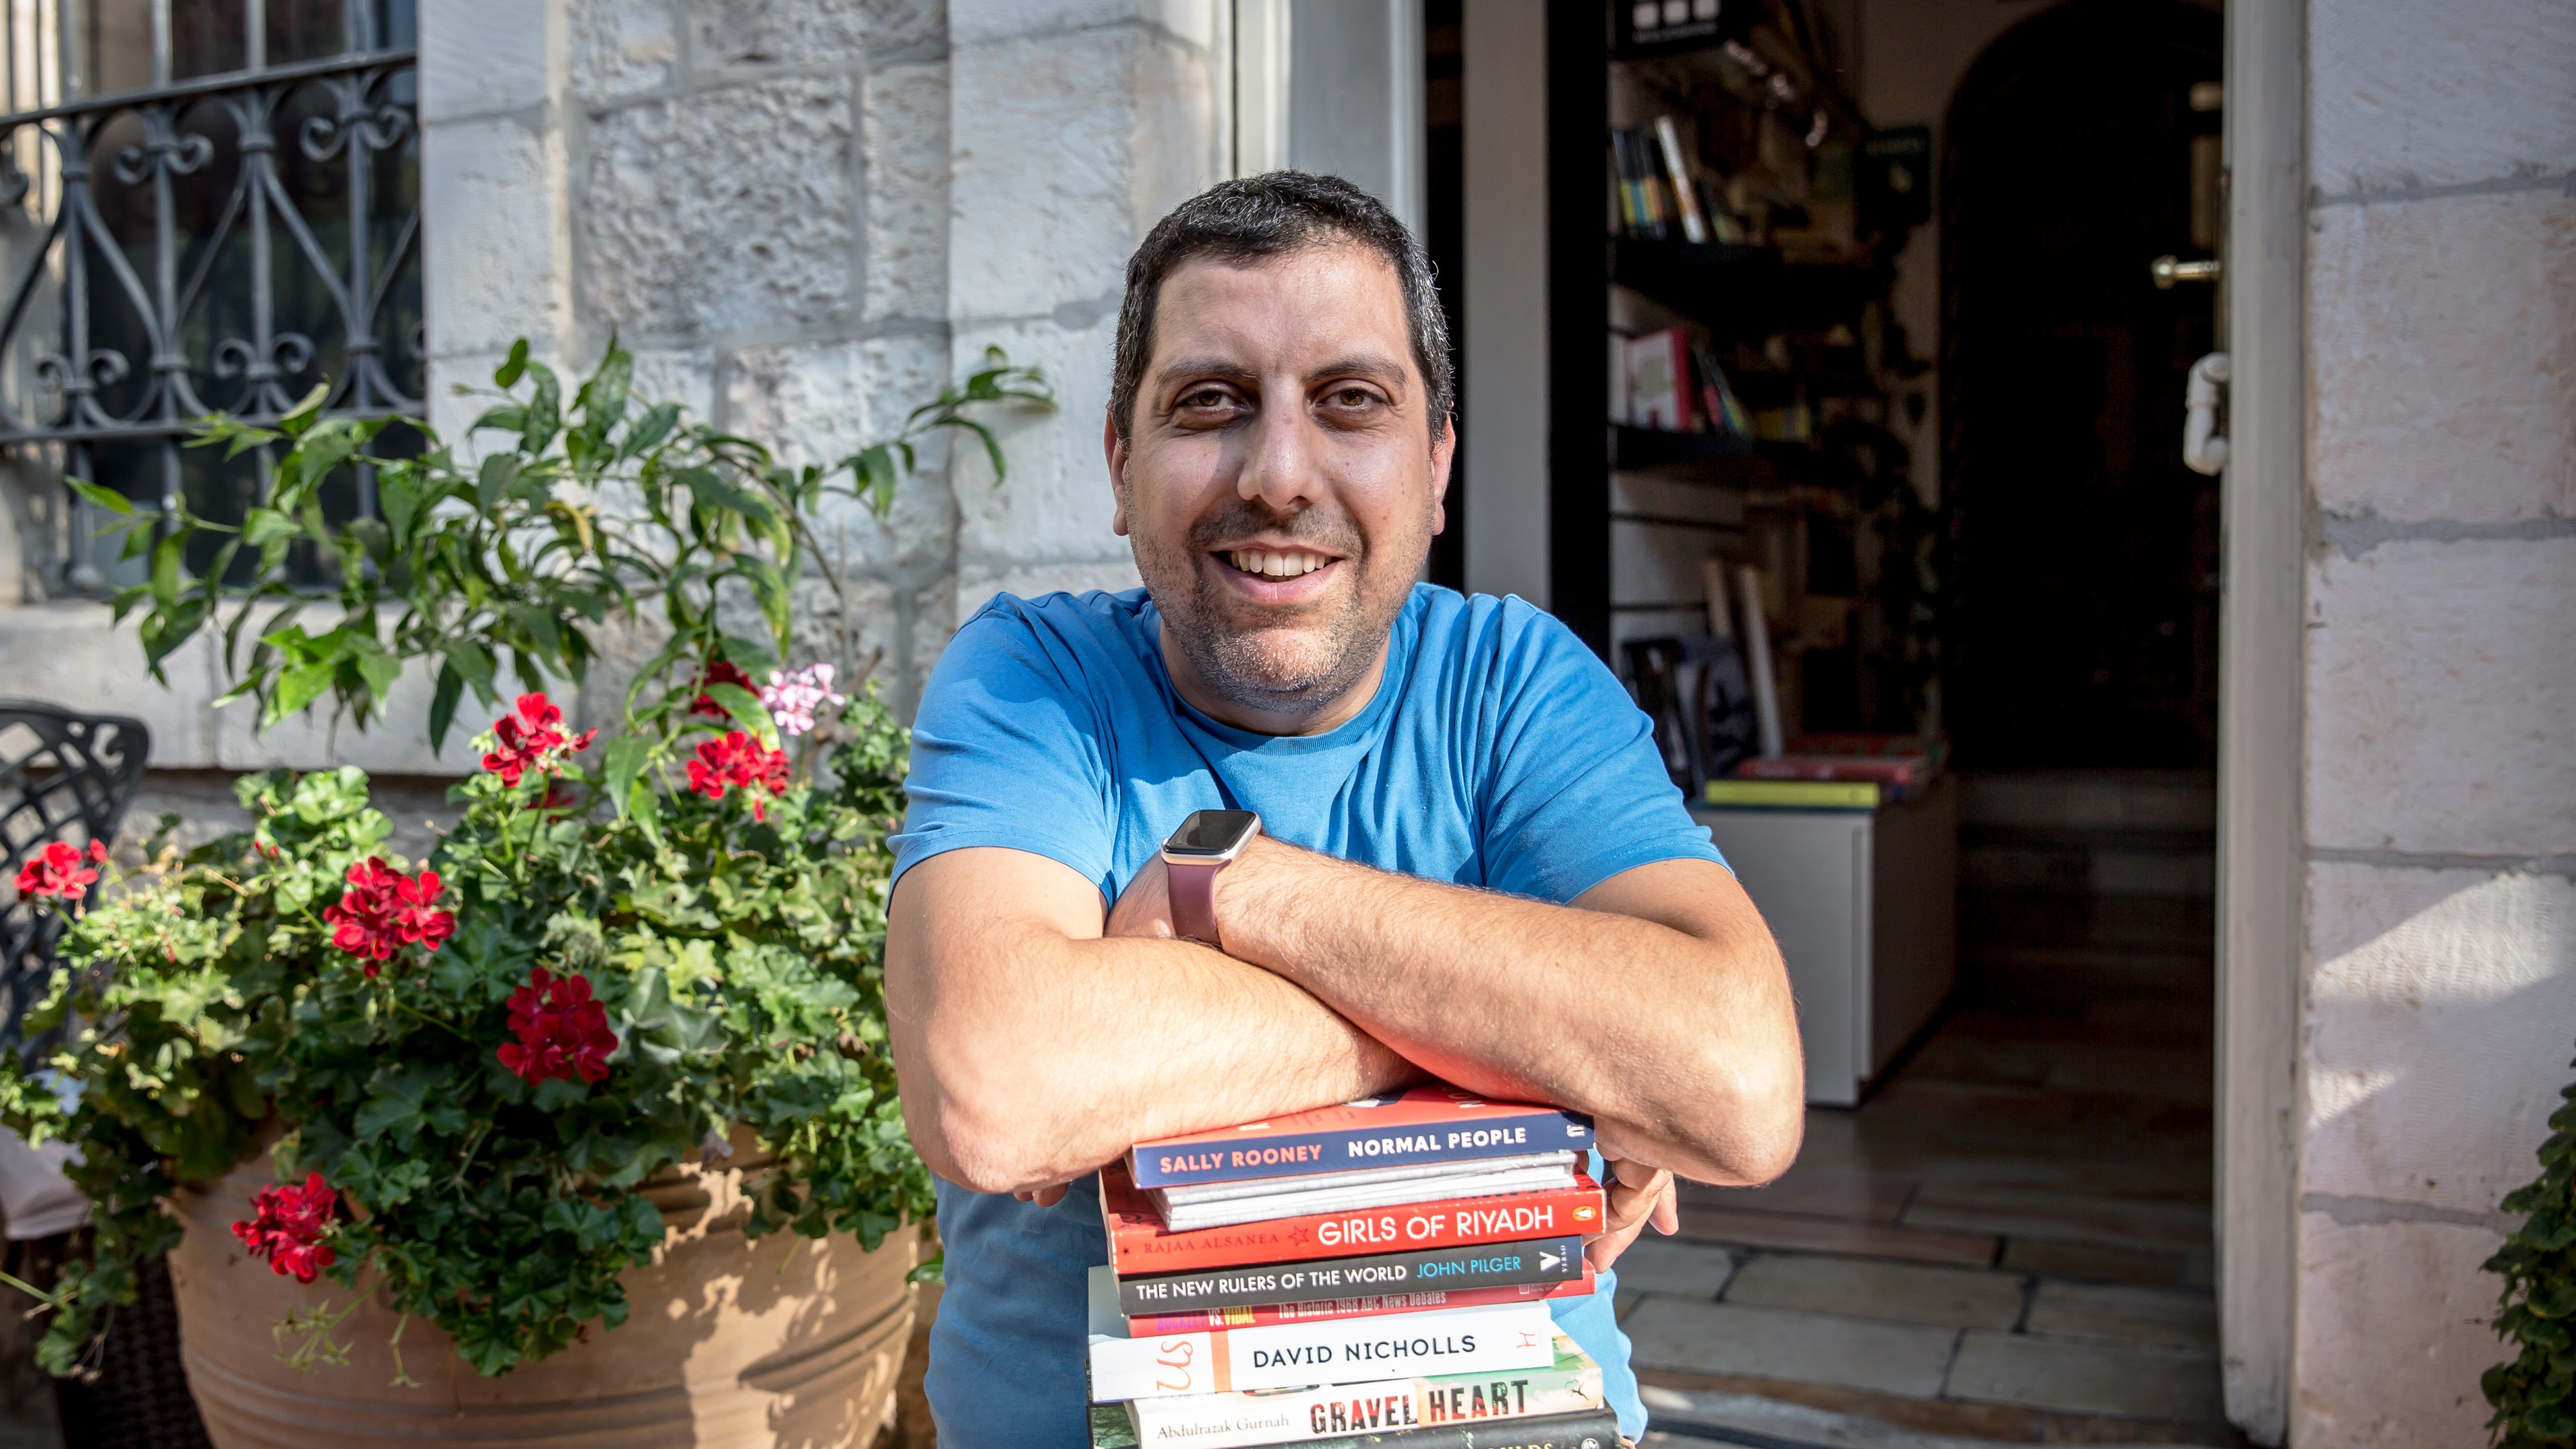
1497 752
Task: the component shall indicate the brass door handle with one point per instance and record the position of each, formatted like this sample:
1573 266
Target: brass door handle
2168 269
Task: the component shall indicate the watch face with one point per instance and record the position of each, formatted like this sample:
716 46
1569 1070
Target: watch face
1210 832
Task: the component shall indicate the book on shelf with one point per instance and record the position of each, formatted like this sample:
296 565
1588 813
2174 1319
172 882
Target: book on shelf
1792 794
1429 1124
1566 1382
1113 1428
1901 778
1668 141
1139 1243
1372 1306
1538 1261
1658 367
1501 1338
1321 1193
1718 402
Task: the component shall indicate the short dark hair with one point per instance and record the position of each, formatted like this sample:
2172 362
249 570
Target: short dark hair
1255 217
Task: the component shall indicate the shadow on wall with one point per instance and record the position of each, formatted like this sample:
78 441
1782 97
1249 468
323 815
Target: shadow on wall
2441 1017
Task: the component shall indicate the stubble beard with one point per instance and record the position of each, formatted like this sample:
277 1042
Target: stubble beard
1254 658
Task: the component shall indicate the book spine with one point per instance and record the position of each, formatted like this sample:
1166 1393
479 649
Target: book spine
1540 1129
1668 137
1140 1245
1505 1265
1598 1429
1392 1412
1464 1341
1112 1428
1220 1320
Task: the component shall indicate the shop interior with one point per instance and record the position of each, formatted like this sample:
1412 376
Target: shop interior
1869 329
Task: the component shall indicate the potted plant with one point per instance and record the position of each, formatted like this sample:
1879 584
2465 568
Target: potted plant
586 1123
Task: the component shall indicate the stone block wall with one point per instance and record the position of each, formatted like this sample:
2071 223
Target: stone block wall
2440 993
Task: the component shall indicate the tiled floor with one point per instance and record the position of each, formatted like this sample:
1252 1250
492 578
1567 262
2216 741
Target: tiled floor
2011 1240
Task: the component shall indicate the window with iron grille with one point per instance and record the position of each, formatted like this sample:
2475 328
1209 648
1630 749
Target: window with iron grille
204 205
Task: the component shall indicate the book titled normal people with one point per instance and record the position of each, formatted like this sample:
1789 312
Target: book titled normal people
1425 1124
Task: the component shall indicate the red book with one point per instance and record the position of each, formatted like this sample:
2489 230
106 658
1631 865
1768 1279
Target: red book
1220 1319
1139 1243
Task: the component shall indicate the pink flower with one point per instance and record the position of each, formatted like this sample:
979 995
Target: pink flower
533 739
57 871
286 1227
561 1031
739 760
793 698
383 909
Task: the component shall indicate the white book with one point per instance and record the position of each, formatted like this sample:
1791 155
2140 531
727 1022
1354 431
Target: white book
1186 1217
1571 1384
1502 1338
1199 1192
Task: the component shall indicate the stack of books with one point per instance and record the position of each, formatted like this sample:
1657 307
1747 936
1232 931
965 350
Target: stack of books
1376 1273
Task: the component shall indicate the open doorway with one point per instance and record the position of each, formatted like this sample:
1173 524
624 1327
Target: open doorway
2010 1235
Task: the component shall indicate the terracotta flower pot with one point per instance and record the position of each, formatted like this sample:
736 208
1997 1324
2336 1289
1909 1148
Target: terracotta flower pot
786 1342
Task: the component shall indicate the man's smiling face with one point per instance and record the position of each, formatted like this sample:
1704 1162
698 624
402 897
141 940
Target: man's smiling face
1280 481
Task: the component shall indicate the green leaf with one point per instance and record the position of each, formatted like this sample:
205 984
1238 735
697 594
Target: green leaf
397 500
473 661
769 588
492 481
297 688
507 374
747 711
379 668
165 569
623 763
264 526
301 416
107 498
545 410
442 704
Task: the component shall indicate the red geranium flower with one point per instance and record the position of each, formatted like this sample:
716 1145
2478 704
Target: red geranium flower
718 671
384 909
287 1224
561 1031
738 759
57 871
533 739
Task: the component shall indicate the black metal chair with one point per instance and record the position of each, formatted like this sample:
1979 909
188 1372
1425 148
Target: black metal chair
63 776
71 777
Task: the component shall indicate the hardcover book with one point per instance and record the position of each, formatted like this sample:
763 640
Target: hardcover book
1220 1319
1502 1339
1337 1197
1569 1383
1355 1177
1424 1124
1597 1429
1139 1243
1537 1261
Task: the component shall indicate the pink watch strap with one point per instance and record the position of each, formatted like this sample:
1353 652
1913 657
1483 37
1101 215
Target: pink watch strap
1194 902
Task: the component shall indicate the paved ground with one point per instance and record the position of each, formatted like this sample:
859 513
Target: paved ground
2011 1240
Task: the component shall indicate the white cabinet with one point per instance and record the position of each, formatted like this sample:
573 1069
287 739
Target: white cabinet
1865 905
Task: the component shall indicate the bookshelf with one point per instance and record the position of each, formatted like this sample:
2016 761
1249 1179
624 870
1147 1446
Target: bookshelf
1790 466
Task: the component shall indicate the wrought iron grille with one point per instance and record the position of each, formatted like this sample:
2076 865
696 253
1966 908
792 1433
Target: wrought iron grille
204 205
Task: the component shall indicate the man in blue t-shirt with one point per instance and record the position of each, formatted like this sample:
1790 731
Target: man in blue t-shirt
1468 864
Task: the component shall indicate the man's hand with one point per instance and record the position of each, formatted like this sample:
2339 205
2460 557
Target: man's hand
1144 909
1639 1195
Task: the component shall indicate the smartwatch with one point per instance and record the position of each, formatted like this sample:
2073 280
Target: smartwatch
1206 843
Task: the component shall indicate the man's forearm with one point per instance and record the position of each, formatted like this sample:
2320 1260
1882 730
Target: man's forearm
1670 1025
1030 1055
